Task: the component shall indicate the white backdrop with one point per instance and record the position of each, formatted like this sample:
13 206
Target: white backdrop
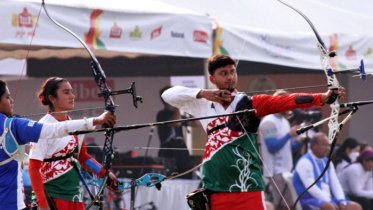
144 26
270 32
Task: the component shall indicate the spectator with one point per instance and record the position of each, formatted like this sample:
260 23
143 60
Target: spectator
278 142
365 146
327 193
346 154
171 137
357 181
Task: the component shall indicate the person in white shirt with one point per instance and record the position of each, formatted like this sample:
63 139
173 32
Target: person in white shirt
327 194
278 140
346 154
356 180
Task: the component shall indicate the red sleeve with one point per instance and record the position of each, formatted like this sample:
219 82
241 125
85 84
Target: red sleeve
84 156
37 182
267 104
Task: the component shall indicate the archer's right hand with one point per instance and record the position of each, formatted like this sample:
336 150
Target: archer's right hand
216 95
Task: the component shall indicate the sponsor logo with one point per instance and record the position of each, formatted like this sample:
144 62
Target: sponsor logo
368 53
350 54
92 37
156 33
136 33
115 31
86 90
177 34
200 36
274 49
26 21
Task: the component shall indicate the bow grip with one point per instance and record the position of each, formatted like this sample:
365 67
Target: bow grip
333 97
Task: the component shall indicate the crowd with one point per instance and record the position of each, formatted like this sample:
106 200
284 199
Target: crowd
347 183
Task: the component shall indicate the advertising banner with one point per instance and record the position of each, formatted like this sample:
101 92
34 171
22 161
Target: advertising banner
173 34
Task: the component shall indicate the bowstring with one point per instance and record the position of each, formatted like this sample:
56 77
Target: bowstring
27 54
247 33
237 62
19 83
261 159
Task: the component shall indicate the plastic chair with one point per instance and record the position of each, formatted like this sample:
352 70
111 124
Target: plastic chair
288 177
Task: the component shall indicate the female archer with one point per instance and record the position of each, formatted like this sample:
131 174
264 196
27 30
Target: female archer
54 179
15 133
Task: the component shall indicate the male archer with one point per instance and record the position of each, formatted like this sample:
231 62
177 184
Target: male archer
231 170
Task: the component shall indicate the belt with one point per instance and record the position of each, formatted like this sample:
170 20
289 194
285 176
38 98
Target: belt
58 158
216 128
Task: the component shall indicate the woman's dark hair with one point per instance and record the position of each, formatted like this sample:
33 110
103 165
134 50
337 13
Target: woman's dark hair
2 88
218 61
340 154
50 87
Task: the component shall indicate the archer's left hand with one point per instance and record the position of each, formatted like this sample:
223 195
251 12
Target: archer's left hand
325 96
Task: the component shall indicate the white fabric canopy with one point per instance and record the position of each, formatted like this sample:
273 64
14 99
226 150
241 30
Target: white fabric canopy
143 26
268 31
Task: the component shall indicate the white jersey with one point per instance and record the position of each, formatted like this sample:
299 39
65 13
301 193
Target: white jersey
186 99
356 181
52 148
281 161
341 166
307 169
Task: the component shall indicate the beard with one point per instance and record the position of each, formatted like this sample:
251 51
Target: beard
230 86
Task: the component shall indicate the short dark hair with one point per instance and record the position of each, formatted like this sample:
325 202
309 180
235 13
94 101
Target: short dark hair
218 61
3 86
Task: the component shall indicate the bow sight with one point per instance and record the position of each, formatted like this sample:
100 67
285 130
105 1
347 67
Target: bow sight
131 90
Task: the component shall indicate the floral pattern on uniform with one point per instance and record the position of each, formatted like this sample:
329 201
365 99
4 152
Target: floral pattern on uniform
54 169
245 179
219 138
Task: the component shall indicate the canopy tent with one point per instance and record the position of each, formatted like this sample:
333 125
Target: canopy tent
270 32
109 27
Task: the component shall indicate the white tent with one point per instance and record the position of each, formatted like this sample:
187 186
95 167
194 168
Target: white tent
270 32
137 27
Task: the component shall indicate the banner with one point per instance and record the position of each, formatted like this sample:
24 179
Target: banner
293 49
175 34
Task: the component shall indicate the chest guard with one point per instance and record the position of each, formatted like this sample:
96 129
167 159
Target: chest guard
239 122
10 144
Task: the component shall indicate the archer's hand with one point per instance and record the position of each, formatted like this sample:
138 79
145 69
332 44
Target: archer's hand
220 96
293 131
114 183
325 96
105 118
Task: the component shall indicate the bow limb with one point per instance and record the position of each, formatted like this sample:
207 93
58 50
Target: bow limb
100 79
334 126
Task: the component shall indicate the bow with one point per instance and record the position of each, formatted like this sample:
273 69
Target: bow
334 126
106 93
150 179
